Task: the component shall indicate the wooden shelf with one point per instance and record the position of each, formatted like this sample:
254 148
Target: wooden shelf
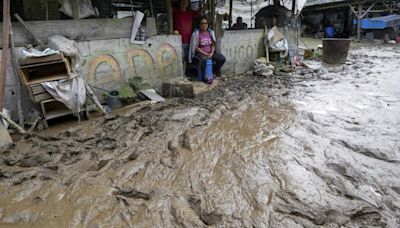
41 64
52 109
47 78
44 59
44 72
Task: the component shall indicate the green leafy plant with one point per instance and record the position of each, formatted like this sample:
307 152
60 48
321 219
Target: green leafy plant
126 92
137 84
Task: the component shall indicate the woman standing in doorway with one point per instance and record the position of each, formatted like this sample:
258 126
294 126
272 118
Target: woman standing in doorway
202 47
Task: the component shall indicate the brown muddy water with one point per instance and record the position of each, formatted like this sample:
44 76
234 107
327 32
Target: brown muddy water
316 149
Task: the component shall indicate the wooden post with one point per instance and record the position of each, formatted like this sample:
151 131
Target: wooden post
294 6
152 8
360 15
230 12
170 18
75 9
359 21
47 10
6 43
212 7
266 44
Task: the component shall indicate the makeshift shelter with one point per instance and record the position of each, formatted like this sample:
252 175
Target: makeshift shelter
102 31
359 8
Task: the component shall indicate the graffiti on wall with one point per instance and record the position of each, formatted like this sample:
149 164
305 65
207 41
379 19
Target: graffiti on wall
104 68
240 52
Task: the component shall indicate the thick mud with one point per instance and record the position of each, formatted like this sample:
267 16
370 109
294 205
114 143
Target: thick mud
316 149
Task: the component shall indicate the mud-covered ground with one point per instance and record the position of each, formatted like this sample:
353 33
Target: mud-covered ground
316 149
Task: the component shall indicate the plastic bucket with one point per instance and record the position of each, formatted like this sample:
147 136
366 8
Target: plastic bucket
335 50
113 100
329 32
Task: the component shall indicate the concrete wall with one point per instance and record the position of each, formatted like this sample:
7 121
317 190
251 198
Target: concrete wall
110 63
10 95
241 48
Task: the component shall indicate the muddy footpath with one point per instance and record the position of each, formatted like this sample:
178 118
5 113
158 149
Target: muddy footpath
320 148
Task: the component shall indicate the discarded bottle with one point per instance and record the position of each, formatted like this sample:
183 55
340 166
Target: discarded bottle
209 69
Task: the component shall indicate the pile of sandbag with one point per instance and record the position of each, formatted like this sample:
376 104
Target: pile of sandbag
262 68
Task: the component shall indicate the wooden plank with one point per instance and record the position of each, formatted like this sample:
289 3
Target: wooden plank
367 11
41 97
50 58
5 42
75 10
37 89
29 30
41 64
43 72
79 30
49 78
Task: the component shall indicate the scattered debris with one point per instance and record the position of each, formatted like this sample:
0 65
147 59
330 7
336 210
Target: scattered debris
152 95
262 68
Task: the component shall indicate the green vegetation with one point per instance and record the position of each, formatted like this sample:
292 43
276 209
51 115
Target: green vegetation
129 91
126 92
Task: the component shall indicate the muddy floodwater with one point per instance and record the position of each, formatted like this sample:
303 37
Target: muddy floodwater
320 148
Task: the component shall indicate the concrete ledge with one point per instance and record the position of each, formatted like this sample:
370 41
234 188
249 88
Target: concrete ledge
187 89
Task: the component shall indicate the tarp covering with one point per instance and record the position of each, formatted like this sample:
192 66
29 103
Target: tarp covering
70 92
381 22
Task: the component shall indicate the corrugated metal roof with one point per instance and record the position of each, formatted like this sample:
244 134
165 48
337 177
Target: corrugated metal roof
321 2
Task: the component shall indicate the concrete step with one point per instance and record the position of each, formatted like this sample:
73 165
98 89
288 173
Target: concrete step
184 88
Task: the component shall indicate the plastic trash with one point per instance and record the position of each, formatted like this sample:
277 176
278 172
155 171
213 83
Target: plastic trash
209 69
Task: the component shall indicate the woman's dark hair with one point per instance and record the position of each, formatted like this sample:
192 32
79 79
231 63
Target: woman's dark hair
202 18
